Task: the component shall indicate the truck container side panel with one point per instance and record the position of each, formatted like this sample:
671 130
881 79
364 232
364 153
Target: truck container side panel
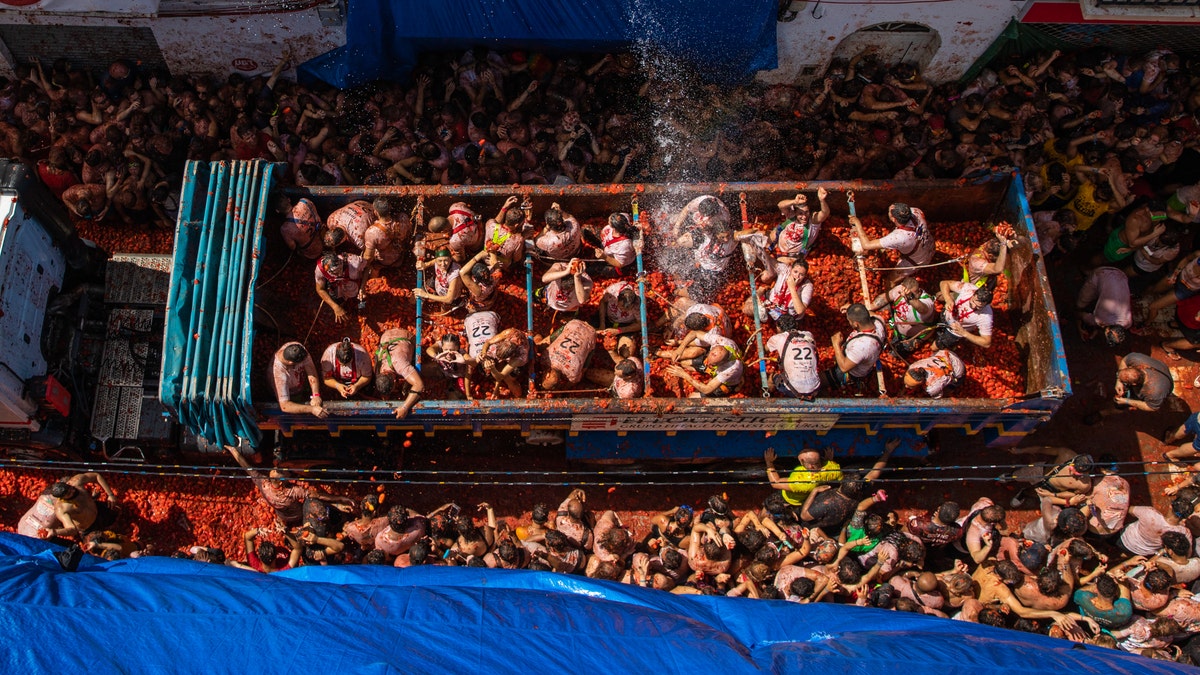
179 295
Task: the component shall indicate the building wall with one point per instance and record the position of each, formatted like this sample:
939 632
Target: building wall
218 45
965 27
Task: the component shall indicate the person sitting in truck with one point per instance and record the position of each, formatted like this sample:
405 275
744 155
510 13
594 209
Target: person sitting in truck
967 316
455 366
504 355
503 236
302 229
339 277
1104 303
912 315
857 354
795 237
936 374
791 294
297 388
385 238
616 243
912 239
568 352
349 223
465 233
814 469
795 352
619 309
568 286
986 261
723 364
446 279
346 368
562 237
698 320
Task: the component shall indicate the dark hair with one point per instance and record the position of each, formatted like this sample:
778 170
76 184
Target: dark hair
1071 523
295 353
712 549
397 518
696 321
1049 579
990 617
786 323
266 552
778 507
858 314
905 605
850 571
1080 550
540 513
751 539
872 525
557 541
901 212
385 384
985 294
63 490
507 551
620 222
1107 587
709 206
718 505
993 514
418 553
1176 543
344 351
802 587
853 487
948 512
369 505
1157 580
627 368
606 570
616 540
384 207
672 559
917 373
883 596
1008 573
911 550
554 220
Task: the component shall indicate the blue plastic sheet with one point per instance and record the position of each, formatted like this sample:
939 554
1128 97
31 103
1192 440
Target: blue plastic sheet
726 40
166 615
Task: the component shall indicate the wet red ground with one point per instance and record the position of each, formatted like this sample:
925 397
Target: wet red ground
214 510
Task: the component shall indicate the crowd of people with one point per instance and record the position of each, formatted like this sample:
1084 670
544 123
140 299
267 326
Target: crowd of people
1089 566
1108 149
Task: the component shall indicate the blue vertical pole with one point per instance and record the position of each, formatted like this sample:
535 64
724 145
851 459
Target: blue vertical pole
762 356
420 284
529 321
641 277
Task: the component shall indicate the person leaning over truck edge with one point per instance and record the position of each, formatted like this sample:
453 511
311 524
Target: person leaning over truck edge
394 359
814 470
291 370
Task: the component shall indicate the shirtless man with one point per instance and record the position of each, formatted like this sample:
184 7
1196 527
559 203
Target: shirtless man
67 509
338 276
996 581
394 358
1142 226
294 378
911 239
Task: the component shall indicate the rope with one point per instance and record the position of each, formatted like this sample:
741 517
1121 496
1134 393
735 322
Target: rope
952 261
314 323
281 269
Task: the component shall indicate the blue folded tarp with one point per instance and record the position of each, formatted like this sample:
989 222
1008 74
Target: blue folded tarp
164 615
726 40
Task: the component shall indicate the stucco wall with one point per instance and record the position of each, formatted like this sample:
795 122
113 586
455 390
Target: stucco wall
966 28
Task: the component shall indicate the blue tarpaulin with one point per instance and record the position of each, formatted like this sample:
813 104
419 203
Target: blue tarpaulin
727 40
163 615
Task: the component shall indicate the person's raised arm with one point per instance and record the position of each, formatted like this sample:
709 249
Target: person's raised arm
283 61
